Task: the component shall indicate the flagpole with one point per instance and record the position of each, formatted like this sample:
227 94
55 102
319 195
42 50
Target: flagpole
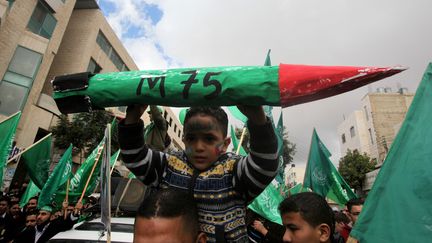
307 163
67 197
20 153
99 153
9 117
122 196
241 140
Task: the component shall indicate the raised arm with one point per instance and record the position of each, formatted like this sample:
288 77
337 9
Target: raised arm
145 163
254 172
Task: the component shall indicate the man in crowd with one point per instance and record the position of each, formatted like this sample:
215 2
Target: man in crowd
46 228
7 224
307 218
355 207
168 215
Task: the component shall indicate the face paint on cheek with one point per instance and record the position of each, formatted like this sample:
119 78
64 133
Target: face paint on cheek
219 149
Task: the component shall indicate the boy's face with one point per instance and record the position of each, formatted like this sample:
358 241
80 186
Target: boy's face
204 141
299 231
164 230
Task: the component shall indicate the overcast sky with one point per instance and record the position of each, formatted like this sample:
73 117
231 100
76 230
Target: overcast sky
173 33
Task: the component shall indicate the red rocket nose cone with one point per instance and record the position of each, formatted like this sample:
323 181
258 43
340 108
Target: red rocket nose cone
302 83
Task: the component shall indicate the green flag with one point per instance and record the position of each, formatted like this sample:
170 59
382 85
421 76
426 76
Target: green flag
267 203
114 158
296 189
398 208
7 134
322 177
182 115
268 60
236 143
61 173
31 191
79 180
236 113
131 175
37 160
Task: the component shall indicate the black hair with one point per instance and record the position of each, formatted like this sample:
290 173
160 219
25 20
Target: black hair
341 218
6 199
354 202
214 111
171 203
312 207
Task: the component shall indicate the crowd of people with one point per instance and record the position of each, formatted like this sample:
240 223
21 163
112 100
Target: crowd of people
199 194
35 224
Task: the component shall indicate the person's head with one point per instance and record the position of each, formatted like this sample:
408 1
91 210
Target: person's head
205 135
354 207
44 215
70 209
150 114
4 204
340 221
55 215
32 203
15 209
31 219
307 218
168 215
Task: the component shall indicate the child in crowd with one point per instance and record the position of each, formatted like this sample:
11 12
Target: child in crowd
222 183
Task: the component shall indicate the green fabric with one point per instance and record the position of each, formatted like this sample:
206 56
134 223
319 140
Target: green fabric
268 59
267 203
236 143
398 208
114 158
297 189
31 191
131 175
61 173
322 177
37 161
80 178
236 113
182 115
46 208
7 134
182 87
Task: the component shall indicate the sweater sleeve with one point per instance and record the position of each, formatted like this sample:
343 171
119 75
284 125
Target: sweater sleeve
256 170
147 165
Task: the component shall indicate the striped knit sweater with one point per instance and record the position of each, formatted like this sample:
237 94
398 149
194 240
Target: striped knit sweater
222 191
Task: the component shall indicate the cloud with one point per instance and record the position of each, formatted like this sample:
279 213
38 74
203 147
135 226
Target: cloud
332 32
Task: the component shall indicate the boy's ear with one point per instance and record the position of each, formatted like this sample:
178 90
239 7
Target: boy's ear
324 232
227 142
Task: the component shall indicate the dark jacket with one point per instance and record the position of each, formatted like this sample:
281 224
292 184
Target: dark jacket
54 227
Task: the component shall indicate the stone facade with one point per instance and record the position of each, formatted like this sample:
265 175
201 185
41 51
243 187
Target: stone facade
375 126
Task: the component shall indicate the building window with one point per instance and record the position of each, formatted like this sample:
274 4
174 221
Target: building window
42 22
103 43
366 113
18 80
352 131
370 135
175 127
110 52
165 114
170 122
343 138
115 58
179 133
93 67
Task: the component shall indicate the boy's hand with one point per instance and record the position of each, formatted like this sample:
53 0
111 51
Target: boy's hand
255 114
134 113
